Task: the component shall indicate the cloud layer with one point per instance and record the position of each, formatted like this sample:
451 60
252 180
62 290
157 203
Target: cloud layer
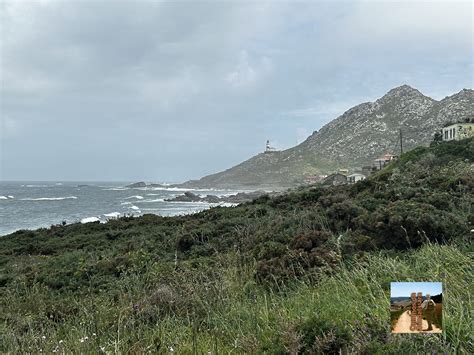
101 90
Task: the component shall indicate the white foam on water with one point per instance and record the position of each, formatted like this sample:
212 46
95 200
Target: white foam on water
138 197
133 207
112 215
36 185
228 204
49 198
172 189
149 201
90 219
116 189
125 203
10 196
191 202
3 198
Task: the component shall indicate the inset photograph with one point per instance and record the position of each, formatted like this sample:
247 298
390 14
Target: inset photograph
416 307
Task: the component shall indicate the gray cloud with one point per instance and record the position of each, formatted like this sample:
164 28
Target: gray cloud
101 90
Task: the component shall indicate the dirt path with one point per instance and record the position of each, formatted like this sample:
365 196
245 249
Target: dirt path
403 325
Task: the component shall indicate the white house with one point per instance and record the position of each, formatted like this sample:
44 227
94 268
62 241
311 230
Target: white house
458 131
353 178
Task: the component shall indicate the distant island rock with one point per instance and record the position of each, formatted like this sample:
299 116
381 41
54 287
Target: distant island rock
137 184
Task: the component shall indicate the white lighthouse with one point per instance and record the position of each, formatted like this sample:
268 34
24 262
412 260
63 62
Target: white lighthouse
269 148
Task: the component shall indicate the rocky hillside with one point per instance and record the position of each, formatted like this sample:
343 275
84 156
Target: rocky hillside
350 141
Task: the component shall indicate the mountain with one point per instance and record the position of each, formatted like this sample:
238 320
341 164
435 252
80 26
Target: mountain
351 141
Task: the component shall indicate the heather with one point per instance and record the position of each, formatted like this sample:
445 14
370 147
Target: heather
306 271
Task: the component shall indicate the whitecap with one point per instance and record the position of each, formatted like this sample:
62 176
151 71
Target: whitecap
125 203
133 207
3 198
116 189
90 219
10 196
173 189
150 201
112 215
228 204
49 198
138 197
191 202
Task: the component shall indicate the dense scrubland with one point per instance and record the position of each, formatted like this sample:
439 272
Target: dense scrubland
306 271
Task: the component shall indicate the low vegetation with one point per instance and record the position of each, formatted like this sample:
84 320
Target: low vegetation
307 271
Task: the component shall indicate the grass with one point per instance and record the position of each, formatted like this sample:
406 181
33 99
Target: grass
394 315
224 309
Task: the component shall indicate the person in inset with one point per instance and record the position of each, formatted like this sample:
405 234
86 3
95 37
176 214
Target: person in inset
429 305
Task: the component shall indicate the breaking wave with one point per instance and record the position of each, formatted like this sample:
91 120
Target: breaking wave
138 197
90 219
171 189
148 201
49 198
112 215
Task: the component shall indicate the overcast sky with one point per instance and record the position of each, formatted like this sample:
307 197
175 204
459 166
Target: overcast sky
168 91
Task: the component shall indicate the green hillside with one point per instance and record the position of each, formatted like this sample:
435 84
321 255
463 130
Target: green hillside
306 271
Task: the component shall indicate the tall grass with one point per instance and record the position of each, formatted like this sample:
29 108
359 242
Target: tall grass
220 308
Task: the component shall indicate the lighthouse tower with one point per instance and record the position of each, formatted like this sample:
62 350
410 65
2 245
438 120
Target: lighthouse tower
269 148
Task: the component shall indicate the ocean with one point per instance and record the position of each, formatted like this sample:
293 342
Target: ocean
32 205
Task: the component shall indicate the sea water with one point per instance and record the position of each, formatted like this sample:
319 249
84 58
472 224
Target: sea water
31 205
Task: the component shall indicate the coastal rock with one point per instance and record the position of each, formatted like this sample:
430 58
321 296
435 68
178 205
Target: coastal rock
186 197
237 198
212 199
137 184
243 196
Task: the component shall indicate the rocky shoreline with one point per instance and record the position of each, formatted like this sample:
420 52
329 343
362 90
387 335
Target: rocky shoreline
237 198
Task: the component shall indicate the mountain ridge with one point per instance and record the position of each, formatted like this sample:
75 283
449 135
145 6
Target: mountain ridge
350 141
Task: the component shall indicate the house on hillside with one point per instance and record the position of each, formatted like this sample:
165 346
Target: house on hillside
335 179
313 179
458 131
353 178
384 160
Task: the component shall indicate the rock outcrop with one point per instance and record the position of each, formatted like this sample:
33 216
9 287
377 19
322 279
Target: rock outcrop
237 198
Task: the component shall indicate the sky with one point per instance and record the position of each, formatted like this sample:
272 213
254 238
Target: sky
404 289
170 91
